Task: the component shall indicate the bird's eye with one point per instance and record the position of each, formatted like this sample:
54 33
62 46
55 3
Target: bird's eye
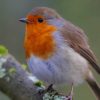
40 20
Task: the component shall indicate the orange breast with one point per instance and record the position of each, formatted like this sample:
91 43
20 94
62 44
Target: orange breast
39 41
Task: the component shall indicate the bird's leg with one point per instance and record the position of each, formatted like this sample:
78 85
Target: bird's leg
70 96
50 87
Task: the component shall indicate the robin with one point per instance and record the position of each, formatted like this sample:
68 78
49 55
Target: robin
57 51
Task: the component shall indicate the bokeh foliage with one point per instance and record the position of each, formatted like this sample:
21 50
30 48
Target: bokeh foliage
84 13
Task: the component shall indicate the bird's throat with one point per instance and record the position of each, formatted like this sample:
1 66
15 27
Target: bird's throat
39 43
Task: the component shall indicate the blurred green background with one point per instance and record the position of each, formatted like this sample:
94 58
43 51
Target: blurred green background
84 13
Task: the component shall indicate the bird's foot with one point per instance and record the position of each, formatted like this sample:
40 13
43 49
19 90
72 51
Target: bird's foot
70 97
50 88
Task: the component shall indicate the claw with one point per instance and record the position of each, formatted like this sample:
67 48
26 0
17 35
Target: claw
50 87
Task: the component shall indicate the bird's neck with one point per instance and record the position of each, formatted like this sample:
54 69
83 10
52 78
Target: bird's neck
39 42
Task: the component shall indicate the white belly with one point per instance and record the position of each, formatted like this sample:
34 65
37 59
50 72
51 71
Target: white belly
67 66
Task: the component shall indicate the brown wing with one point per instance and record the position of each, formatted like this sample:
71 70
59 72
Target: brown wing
78 41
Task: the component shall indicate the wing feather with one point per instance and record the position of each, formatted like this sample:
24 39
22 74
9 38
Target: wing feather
77 40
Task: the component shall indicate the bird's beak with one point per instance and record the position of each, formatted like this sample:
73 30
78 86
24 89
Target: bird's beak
24 20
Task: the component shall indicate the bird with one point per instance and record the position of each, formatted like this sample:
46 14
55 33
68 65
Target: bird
57 51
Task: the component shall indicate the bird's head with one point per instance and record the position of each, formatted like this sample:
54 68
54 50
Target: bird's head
42 17
41 23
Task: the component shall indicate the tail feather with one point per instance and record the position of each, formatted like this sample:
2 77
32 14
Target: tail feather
94 86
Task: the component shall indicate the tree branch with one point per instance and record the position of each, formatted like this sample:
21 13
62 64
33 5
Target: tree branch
15 82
